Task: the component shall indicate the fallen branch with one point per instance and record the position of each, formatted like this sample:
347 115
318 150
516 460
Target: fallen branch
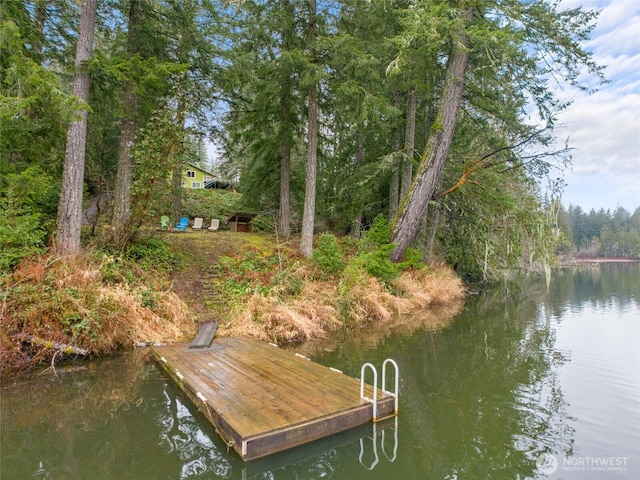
58 346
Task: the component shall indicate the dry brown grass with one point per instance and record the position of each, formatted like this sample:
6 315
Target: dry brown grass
131 323
90 302
321 308
65 300
438 285
311 315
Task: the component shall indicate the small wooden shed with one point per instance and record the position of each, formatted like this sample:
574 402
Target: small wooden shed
241 222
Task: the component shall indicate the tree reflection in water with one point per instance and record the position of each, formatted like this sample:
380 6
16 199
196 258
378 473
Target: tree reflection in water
480 397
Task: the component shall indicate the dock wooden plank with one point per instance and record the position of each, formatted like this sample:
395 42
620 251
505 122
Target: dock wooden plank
205 335
256 378
217 383
274 375
262 399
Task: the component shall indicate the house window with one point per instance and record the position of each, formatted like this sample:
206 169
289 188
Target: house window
195 185
191 174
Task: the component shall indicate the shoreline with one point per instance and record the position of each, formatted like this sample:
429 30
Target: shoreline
574 261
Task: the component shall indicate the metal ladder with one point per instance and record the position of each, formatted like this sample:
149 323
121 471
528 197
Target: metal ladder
374 443
374 400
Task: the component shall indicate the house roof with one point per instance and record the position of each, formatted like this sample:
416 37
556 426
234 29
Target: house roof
239 217
198 168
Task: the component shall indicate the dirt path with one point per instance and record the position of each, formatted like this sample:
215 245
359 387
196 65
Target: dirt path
197 280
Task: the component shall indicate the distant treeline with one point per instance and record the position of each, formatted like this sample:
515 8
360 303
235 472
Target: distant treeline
602 233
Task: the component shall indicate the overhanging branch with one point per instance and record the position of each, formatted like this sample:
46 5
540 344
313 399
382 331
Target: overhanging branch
484 162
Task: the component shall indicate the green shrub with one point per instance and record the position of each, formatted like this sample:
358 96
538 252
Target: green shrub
354 274
328 255
288 284
412 259
149 299
149 254
21 235
263 223
378 264
246 275
153 254
380 232
25 208
374 251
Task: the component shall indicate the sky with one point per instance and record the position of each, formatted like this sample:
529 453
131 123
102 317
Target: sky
604 127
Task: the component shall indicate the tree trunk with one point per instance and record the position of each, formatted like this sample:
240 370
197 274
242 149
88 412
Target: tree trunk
284 213
67 241
394 184
176 185
357 220
433 229
409 143
308 219
437 149
176 157
122 194
39 19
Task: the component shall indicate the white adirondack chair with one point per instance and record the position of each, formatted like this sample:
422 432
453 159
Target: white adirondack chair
197 223
215 224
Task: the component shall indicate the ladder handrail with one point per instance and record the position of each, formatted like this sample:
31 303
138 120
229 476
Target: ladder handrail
374 441
395 442
373 400
397 382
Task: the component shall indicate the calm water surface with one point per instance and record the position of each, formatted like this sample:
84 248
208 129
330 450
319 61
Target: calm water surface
521 383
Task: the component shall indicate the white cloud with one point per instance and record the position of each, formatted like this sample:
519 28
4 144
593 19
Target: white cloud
605 131
623 72
616 16
604 128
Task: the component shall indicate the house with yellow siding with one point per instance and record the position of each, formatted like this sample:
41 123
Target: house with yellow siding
195 177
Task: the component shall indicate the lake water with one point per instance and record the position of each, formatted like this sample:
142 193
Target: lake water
523 382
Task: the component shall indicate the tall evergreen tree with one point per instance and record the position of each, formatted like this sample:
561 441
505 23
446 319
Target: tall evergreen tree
67 240
262 83
437 149
128 126
504 44
361 115
308 218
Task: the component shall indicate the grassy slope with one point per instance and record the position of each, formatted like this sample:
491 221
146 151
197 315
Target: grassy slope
201 252
253 285
160 290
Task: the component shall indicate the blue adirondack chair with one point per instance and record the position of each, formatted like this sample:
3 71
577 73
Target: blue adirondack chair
182 226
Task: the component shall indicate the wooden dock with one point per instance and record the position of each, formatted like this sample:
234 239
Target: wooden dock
262 399
205 335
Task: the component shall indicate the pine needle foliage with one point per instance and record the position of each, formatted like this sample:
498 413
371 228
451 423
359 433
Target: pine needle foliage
375 249
328 256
